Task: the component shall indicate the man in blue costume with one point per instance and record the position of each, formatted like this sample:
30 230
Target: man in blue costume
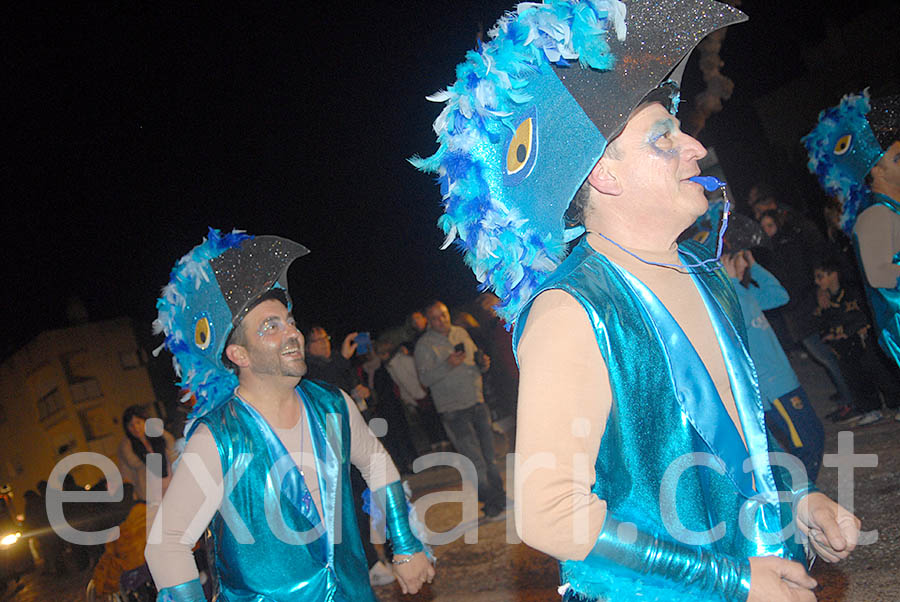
642 455
266 466
855 152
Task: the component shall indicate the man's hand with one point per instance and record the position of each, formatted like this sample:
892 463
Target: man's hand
456 358
484 362
832 529
774 579
348 347
360 393
413 574
727 260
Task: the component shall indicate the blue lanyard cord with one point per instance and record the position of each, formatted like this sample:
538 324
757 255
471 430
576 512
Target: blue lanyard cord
710 183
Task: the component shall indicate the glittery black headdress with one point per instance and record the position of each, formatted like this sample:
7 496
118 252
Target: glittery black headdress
209 292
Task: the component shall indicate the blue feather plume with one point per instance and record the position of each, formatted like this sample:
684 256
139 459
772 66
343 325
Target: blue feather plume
506 254
835 178
210 381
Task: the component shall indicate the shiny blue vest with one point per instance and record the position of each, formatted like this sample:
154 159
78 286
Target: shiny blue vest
664 406
319 567
885 302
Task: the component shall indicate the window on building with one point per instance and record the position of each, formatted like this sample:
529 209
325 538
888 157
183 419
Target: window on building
96 423
82 384
49 404
86 389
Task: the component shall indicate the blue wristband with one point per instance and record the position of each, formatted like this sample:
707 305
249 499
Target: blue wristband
190 591
668 564
391 499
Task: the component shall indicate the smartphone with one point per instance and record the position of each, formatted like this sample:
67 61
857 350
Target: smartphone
460 347
363 342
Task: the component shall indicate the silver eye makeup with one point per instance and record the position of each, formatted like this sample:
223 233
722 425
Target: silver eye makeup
273 325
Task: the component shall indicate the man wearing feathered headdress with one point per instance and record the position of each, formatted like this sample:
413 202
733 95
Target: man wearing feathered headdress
854 150
266 466
642 457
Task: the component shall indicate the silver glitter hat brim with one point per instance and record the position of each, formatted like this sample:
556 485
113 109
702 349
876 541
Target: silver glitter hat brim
247 272
661 34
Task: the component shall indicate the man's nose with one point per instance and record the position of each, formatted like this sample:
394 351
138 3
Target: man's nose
692 148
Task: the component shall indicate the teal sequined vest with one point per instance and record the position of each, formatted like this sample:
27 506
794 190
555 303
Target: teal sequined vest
665 408
271 546
885 302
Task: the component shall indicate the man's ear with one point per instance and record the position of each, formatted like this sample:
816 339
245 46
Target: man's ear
238 355
603 179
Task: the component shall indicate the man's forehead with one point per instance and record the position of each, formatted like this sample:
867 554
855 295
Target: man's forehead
270 308
646 117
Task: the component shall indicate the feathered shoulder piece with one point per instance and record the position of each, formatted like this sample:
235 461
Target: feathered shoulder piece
531 113
483 113
842 150
196 322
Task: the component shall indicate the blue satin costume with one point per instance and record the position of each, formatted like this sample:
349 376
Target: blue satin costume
663 409
885 302
330 567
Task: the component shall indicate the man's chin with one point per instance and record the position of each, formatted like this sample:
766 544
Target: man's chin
294 369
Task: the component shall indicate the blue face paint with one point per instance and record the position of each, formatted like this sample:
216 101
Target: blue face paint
659 141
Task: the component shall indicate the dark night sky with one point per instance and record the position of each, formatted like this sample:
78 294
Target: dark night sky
135 126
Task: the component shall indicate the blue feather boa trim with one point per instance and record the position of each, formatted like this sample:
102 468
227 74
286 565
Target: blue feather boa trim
206 377
505 253
837 177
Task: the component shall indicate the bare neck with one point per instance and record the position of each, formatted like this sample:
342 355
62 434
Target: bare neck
886 189
634 232
274 398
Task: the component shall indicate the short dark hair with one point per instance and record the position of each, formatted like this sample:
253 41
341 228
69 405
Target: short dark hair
131 412
238 335
776 215
828 265
430 304
308 335
581 202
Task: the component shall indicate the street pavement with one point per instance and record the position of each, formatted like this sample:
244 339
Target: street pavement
496 568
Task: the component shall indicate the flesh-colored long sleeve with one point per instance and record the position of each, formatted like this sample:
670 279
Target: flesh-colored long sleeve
564 401
367 453
192 499
878 232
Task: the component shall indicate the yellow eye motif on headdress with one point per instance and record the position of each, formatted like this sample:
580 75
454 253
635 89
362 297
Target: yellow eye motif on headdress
843 144
521 150
202 333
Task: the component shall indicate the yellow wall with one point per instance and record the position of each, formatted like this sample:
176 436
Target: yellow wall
84 364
